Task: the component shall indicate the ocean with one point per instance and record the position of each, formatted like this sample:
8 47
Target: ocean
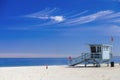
32 61
5 62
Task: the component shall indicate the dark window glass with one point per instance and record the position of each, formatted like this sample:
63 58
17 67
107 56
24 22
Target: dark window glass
93 49
98 49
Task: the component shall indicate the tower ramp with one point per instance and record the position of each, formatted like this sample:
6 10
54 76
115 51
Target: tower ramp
85 57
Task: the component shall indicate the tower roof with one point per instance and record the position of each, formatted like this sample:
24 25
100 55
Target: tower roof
100 45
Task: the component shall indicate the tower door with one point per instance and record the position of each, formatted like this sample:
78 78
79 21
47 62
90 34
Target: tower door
106 55
106 52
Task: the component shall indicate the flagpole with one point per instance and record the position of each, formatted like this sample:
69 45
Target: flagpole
112 39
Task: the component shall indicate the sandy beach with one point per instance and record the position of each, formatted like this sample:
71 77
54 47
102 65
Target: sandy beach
62 72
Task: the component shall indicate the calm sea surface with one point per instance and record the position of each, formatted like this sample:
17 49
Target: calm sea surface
32 61
38 61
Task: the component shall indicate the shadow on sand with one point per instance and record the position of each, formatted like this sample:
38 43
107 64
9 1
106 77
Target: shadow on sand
83 66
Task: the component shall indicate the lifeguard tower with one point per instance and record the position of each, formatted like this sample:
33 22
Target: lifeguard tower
99 53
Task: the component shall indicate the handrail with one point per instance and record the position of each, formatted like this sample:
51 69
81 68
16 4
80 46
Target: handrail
79 59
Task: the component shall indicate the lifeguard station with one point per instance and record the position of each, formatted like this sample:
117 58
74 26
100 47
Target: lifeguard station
99 53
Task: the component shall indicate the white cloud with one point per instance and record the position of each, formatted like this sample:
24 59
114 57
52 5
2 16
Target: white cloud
57 18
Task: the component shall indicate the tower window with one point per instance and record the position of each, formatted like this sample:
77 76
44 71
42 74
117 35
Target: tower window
93 49
98 49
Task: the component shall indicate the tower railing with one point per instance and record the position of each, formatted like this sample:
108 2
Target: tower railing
80 59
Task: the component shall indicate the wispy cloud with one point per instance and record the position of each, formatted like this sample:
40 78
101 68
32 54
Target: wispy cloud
116 0
101 30
113 18
113 30
43 13
53 16
77 14
106 30
32 55
47 14
114 15
88 18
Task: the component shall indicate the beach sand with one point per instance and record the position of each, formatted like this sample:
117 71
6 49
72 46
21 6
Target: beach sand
62 72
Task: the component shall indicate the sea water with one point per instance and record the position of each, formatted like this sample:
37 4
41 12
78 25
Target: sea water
39 61
32 61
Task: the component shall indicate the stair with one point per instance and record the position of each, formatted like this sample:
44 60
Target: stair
81 59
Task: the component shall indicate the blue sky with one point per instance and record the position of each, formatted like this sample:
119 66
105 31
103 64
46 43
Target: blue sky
57 28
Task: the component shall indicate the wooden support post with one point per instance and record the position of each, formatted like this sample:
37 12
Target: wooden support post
107 64
85 65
